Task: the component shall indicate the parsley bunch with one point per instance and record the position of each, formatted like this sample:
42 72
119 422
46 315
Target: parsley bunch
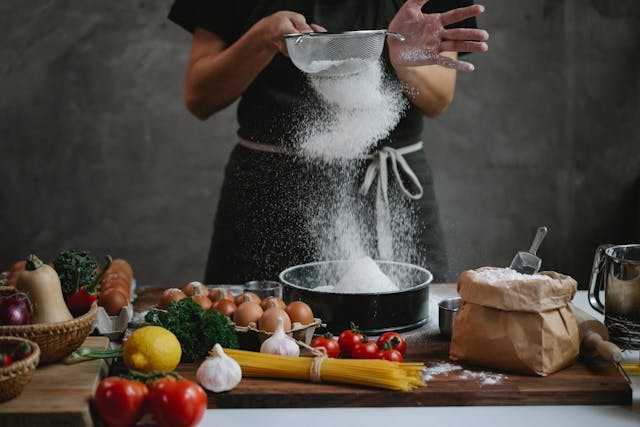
197 330
75 269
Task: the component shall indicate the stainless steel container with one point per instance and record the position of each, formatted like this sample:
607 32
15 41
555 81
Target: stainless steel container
447 310
616 270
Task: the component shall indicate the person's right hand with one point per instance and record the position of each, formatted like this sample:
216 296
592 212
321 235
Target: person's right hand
272 28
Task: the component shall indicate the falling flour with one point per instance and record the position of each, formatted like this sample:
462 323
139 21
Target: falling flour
351 114
359 110
441 368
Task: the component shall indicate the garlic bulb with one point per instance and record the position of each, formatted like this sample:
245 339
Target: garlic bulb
219 372
280 343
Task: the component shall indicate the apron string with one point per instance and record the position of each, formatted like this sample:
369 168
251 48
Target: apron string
377 168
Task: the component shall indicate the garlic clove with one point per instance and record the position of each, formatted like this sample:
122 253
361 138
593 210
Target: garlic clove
219 372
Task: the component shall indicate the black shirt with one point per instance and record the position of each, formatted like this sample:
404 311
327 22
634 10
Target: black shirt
280 96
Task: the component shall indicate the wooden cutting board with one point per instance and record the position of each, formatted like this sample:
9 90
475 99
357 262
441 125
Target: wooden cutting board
594 383
58 395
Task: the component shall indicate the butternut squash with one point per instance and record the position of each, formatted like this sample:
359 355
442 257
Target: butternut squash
42 284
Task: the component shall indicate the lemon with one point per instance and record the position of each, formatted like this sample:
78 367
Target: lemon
152 348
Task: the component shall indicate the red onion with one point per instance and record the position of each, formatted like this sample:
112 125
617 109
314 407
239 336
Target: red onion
15 310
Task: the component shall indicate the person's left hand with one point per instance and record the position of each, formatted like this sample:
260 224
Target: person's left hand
426 38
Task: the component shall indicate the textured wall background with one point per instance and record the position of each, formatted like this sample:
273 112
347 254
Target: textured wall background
97 150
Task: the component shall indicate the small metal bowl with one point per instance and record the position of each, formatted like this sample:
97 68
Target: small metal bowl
447 310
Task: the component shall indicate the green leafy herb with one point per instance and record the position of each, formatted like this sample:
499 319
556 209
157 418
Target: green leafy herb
197 330
75 269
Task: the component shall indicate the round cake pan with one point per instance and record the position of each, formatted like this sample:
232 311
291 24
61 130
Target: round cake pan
373 313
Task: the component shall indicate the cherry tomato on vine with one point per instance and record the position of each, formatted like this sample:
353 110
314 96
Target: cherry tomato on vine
177 402
120 402
348 339
328 343
395 340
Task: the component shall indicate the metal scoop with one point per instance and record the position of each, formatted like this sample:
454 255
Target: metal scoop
526 262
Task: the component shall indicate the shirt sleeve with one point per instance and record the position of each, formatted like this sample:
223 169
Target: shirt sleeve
215 16
439 6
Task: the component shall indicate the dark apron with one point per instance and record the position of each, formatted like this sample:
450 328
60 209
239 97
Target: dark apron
262 225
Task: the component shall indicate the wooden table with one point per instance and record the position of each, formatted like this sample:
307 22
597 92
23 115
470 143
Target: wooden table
585 383
58 395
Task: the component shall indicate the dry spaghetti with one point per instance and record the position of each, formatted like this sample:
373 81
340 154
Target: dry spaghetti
373 373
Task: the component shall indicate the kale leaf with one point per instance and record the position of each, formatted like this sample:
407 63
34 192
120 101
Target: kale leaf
75 269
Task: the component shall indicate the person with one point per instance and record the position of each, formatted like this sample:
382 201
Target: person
238 51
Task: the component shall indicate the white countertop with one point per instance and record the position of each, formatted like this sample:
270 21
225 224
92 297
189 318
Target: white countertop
450 416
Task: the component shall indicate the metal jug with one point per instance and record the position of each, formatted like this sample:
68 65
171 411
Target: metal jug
616 270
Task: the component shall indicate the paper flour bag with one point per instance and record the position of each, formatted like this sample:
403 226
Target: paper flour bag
515 322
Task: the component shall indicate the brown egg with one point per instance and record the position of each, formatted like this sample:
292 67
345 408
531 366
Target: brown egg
245 297
269 302
300 312
203 301
217 294
112 300
115 280
247 313
170 295
269 320
195 288
226 307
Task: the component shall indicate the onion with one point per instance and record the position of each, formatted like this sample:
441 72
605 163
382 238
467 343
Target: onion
15 310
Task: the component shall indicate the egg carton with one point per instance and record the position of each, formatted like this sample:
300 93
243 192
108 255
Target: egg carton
250 338
114 327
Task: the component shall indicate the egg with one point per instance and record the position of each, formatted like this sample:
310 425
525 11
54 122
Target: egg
269 302
203 301
226 307
269 320
300 312
247 313
112 300
195 288
217 294
170 295
246 296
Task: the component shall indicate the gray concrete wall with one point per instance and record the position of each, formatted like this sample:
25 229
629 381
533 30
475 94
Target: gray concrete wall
97 150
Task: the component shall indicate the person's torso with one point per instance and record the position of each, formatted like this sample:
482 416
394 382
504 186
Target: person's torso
280 100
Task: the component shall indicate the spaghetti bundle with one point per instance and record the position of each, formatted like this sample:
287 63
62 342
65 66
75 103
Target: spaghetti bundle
369 372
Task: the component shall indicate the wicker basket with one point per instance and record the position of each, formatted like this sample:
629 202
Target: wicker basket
16 376
56 340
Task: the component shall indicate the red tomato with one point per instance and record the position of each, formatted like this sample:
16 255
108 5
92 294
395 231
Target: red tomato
394 339
177 403
366 350
348 339
329 344
120 402
392 355
5 359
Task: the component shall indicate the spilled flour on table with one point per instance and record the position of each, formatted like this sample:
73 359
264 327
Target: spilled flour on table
441 368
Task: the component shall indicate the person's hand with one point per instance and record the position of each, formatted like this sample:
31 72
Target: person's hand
271 29
426 37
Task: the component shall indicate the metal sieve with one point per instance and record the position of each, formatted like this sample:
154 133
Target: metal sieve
336 54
